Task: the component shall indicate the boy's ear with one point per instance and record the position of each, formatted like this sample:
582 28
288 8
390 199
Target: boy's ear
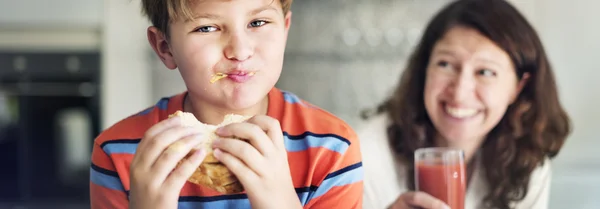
288 21
160 45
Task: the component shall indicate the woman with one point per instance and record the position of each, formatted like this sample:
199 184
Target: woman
480 81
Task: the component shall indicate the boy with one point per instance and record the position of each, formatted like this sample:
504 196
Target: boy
297 156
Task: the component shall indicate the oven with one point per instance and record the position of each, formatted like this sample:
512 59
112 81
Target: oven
49 116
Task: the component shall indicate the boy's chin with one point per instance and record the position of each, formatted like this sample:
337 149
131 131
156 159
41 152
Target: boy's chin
244 102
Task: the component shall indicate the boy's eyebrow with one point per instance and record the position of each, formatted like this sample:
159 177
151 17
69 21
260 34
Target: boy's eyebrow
213 16
205 16
262 9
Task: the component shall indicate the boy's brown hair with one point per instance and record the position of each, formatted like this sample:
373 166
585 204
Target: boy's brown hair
161 12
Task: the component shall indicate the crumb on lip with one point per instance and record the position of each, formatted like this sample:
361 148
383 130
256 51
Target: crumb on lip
217 76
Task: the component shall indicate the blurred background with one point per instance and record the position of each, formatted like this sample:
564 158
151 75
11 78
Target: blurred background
71 68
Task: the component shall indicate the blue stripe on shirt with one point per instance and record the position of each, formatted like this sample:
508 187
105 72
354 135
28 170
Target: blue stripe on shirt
308 140
304 193
342 177
228 203
120 146
162 104
293 143
231 201
105 178
290 97
345 176
348 175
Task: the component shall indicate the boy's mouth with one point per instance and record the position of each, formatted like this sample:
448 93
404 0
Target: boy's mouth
237 76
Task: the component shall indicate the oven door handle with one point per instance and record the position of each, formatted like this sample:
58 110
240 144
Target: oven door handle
81 89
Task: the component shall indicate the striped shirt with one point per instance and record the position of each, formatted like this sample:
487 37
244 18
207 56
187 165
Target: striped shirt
323 153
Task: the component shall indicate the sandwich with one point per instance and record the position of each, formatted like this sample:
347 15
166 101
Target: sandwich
211 172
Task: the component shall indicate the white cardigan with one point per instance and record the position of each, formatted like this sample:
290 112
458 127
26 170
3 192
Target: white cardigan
385 178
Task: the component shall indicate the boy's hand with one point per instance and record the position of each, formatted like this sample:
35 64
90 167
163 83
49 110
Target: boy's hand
156 180
261 165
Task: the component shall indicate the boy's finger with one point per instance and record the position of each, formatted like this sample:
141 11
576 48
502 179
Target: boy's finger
177 178
148 154
158 128
173 154
246 176
248 131
272 127
242 151
162 126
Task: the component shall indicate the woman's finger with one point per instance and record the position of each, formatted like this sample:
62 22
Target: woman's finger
423 200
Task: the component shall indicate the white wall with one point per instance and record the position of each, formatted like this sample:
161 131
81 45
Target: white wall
51 13
126 86
165 82
57 25
570 32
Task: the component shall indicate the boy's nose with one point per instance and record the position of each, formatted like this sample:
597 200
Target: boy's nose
239 47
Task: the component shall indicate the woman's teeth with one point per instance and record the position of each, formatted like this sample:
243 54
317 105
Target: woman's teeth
460 112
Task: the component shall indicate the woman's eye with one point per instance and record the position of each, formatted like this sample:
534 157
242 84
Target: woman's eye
443 64
206 29
258 23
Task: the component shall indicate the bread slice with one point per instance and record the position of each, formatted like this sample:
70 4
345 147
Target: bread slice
211 172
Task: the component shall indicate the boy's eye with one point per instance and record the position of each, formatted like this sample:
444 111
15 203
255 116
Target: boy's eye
257 23
206 29
486 72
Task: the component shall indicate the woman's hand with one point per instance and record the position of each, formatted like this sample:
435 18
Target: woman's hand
410 200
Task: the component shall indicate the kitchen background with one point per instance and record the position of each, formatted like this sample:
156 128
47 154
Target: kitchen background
71 68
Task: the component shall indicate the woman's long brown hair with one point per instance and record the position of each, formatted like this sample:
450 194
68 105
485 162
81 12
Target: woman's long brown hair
534 127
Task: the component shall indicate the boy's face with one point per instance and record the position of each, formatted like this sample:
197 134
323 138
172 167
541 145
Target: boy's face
243 38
